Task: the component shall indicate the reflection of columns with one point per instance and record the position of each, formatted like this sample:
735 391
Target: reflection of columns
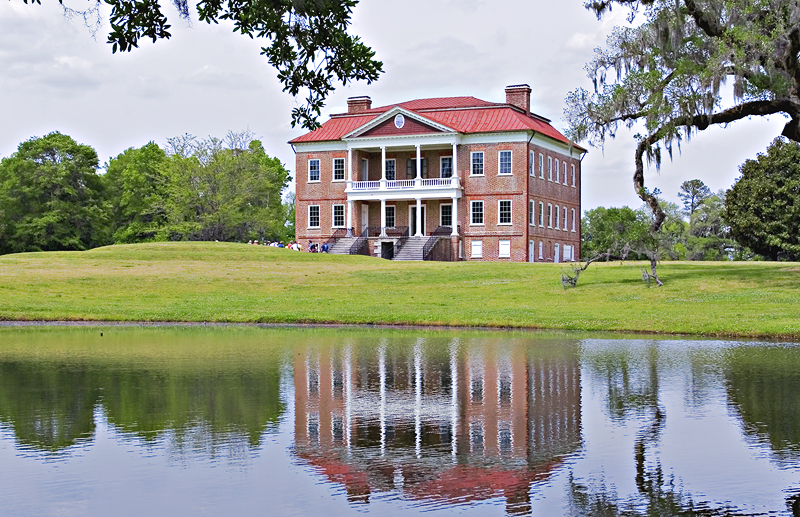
383 218
382 373
454 230
348 404
418 400
453 396
418 233
349 218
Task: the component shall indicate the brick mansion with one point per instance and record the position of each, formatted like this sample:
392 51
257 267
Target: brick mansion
453 178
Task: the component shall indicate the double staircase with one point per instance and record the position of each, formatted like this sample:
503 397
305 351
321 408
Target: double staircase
412 249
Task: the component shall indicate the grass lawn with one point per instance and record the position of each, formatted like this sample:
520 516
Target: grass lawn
223 282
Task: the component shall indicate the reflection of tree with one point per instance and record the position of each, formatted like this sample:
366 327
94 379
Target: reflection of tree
764 387
630 384
50 406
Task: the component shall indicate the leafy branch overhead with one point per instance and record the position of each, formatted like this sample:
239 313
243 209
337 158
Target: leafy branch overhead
668 71
308 42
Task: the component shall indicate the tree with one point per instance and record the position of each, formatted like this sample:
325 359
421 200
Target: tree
692 193
308 42
138 187
51 197
668 72
763 206
614 232
219 193
709 234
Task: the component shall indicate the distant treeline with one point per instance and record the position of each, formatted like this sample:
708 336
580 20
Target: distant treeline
52 197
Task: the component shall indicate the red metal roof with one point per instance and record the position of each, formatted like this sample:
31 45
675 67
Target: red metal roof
464 114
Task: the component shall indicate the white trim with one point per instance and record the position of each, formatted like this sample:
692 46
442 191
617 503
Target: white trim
388 115
565 182
452 172
472 246
564 225
320 147
531 163
557 226
510 210
361 170
319 217
472 210
500 250
319 170
386 164
541 250
549 168
573 175
495 138
557 168
573 220
541 166
333 216
394 215
531 212
441 222
483 163
499 163
333 170
549 215
541 214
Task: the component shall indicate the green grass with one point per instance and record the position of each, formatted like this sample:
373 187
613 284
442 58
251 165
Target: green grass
222 282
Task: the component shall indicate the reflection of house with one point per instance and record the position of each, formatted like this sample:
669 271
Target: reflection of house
480 423
481 180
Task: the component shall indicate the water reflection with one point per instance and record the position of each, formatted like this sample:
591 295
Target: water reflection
440 421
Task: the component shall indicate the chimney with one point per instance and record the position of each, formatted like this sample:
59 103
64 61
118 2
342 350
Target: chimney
358 104
519 95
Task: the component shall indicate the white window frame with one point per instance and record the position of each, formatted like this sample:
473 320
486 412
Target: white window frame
394 216
476 249
344 170
531 212
500 252
541 214
541 250
319 174
549 168
565 173
564 221
441 214
557 226
441 166
531 159
319 216
557 165
500 163
333 216
499 212
549 215
541 165
394 169
573 220
472 206
573 175
472 156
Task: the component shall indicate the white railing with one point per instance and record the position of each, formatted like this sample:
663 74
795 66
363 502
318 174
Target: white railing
422 184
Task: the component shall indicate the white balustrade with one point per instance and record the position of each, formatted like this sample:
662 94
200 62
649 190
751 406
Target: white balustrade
424 184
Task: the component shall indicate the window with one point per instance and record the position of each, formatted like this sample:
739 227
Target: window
558 218
338 169
364 169
313 170
505 162
477 163
565 173
555 253
531 158
446 166
505 249
390 216
391 173
504 212
549 215
338 216
531 219
573 174
313 216
556 170
541 213
446 215
550 168
477 212
477 249
541 250
411 168
541 165
573 219
564 219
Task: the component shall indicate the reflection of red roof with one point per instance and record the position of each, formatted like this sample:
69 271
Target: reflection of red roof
464 114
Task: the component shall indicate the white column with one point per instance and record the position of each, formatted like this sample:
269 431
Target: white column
349 164
419 218
349 218
383 218
455 160
454 232
383 163
419 166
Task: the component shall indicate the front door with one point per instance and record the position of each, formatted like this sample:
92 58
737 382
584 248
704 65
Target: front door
412 219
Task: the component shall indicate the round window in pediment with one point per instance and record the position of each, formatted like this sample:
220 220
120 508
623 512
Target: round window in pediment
399 121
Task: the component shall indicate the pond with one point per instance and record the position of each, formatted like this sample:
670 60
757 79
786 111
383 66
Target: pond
246 420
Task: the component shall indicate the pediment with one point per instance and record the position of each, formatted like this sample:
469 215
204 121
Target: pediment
399 122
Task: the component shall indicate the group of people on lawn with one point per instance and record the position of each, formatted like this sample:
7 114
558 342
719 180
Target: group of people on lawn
313 247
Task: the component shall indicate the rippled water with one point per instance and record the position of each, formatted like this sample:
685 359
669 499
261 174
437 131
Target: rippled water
244 421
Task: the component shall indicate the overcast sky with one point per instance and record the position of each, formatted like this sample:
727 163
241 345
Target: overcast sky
207 80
